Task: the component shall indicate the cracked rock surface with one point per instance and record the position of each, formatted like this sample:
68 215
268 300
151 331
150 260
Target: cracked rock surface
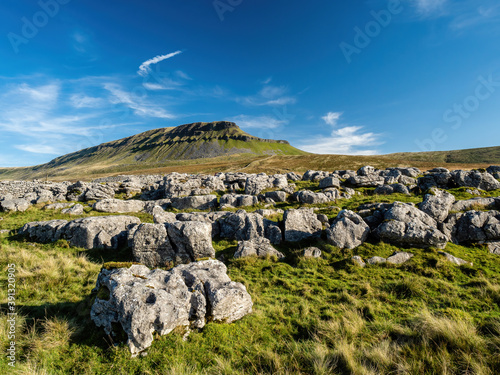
144 301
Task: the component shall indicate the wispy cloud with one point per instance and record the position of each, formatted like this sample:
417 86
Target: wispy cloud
258 122
269 95
84 101
331 118
145 69
140 105
39 149
430 7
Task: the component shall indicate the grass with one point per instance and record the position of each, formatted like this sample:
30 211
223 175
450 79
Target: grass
311 316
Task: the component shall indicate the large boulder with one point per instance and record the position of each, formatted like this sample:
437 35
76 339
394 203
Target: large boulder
437 204
406 225
100 232
119 206
473 226
14 205
145 301
256 183
196 202
301 224
308 197
476 203
372 180
480 180
75 210
328 182
260 247
348 230
43 231
191 240
98 191
242 226
151 246
238 200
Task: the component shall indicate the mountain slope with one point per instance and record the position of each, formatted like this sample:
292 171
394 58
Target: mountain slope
183 143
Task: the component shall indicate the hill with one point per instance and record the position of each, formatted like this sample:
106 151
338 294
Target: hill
485 155
184 144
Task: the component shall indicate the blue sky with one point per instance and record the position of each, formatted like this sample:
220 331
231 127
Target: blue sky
348 77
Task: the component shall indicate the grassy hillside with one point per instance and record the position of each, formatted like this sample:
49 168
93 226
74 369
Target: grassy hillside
186 144
311 316
486 155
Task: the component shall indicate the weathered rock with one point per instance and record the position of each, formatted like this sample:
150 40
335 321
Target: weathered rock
311 252
160 216
470 204
347 231
43 231
277 196
357 260
75 210
237 200
197 202
119 206
454 260
437 204
408 226
242 226
100 232
376 260
329 182
98 191
366 170
473 226
256 183
372 180
272 232
57 206
399 257
151 246
476 179
143 301
191 239
301 224
260 247
494 247
14 205
308 197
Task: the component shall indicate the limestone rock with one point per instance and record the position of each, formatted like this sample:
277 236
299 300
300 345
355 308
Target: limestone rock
347 231
257 247
301 224
145 301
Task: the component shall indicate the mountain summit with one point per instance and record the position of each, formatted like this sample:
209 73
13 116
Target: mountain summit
185 142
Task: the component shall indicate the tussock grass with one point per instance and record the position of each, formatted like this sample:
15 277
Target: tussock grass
311 316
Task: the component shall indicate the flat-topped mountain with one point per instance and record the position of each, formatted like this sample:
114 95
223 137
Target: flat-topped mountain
184 144
191 141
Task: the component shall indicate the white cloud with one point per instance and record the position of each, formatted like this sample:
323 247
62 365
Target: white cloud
258 122
428 7
269 96
144 68
347 140
39 149
46 94
84 101
153 86
331 118
140 105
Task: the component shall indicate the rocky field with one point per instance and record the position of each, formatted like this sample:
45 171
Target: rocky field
365 272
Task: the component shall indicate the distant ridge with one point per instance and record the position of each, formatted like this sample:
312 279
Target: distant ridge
484 155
